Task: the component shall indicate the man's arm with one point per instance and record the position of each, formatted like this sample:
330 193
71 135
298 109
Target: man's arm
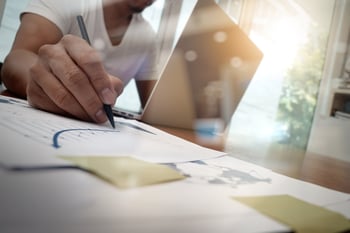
34 31
144 88
58 73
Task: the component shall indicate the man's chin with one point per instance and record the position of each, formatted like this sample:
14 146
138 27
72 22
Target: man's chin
137 9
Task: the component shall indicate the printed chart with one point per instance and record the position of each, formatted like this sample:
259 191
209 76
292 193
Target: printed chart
65 136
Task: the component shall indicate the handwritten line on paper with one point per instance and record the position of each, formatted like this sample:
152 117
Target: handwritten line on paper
50 133
53 134
92 131
56 136
20 118
126 172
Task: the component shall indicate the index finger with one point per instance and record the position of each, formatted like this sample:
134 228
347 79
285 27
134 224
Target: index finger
89 60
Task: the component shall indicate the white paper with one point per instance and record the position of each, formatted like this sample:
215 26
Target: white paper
29 131
76 201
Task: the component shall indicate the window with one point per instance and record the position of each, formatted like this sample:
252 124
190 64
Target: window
279 105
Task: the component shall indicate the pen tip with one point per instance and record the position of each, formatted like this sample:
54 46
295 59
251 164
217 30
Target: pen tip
109 114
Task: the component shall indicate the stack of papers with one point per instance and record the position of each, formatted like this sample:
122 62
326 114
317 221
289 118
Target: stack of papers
173 185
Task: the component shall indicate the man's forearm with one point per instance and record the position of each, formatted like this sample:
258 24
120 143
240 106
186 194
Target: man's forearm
15 71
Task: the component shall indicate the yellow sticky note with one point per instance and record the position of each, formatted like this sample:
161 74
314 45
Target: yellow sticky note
301 216
126 172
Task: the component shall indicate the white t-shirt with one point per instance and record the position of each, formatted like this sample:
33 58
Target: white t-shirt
134 57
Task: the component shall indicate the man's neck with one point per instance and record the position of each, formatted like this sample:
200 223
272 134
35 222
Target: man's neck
117 8
117 17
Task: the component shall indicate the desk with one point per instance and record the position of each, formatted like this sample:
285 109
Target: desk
318 169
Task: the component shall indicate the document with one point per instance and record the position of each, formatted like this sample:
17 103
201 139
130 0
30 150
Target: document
200 198
75 201
45 136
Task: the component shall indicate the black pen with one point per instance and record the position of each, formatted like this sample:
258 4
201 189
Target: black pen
107 108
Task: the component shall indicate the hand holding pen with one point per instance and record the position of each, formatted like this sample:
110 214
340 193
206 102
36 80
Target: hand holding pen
106 107
69 79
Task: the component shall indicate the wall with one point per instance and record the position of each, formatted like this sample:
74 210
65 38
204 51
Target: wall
2 7
9 24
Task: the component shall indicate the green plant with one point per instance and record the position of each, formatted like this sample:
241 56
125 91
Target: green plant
300 90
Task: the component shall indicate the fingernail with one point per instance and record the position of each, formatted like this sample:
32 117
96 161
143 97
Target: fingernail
108 96
101 116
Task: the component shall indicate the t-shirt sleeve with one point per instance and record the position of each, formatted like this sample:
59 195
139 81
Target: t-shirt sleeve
60 12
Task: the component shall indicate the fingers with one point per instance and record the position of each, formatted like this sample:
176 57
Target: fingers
69 78
117 85
38 99
46 92
90 63
72 87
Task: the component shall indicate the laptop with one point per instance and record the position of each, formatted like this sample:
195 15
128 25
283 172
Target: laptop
206 75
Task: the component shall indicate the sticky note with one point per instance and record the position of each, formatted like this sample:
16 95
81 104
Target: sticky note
301 216
125 172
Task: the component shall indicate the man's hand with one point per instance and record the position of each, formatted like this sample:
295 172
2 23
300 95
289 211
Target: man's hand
69 79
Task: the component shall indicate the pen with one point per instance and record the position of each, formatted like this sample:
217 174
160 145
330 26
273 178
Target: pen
107 108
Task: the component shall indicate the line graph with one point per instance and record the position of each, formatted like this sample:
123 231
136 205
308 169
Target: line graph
28 131
56 136
56 131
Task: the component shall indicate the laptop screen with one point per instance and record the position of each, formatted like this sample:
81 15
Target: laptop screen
164 17
207 73
128 103
220 60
